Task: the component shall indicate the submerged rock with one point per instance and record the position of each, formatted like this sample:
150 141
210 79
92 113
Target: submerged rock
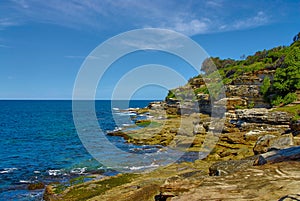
36 186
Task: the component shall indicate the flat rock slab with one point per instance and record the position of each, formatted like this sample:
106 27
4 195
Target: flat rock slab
267 182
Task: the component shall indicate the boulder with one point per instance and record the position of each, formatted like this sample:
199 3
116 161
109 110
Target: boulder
276 156
268 142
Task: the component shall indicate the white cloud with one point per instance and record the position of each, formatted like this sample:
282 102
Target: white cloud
192 17
214 4
259 19
192 27
81 57
7 22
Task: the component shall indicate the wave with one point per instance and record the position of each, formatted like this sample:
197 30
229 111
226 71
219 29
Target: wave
7 170
79 170
143 167
55 172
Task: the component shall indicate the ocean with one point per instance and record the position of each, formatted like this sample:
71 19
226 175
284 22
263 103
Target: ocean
39 142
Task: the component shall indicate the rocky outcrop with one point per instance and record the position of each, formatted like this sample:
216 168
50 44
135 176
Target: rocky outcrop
276 156
270 142
263 115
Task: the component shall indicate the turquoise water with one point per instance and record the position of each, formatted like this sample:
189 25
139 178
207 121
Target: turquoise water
39 142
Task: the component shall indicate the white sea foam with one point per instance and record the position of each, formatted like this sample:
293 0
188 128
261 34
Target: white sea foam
25 181
133 168
8 170
54 172
78 170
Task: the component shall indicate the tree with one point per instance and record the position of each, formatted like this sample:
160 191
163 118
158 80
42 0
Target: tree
297 37
287 76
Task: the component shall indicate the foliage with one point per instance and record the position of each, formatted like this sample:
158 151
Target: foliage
265 86
83 192
287 77
278 89
148 123
251 105
201 90
171 94
297 37
287 99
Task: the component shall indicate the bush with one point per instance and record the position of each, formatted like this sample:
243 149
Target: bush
289 98
277 100
265 86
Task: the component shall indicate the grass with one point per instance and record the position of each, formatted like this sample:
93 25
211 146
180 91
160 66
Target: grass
294 110
148 123
88 190
59 188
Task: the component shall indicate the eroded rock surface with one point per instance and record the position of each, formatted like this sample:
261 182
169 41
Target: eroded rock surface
268 182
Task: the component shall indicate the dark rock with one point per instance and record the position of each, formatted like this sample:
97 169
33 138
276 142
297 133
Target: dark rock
295 126
162 197
292 197
288 154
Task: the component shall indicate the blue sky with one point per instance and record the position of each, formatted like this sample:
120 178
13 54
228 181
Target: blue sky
44 43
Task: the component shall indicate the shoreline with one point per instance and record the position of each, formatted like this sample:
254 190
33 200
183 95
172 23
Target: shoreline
234 152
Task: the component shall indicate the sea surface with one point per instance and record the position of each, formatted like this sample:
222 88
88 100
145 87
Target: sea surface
39 142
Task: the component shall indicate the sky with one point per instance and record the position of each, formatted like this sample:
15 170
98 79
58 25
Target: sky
43 44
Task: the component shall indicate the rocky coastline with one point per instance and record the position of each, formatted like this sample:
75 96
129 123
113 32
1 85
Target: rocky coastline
254 154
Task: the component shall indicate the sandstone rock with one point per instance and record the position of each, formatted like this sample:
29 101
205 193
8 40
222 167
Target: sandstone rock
269 142
257 183
262 115
242 90
156 105
232 138
265 127
228 167
253 135
232 103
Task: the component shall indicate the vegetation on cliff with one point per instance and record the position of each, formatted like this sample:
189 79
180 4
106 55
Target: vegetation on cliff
278 88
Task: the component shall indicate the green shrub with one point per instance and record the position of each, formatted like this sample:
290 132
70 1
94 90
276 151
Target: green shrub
264 88
277 100
289 98
171 94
